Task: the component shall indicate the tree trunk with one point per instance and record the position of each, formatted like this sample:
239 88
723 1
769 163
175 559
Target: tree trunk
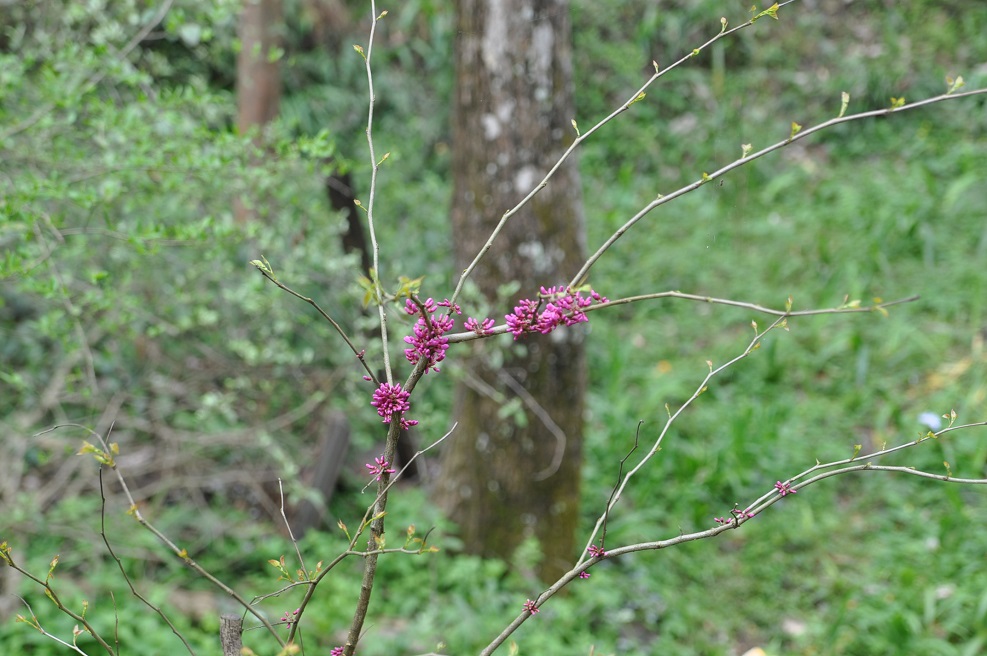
258 75
504 481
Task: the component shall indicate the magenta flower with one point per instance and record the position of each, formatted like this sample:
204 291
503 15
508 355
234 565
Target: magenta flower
290 618
337 651
479 328
595 551
390 399
379 468
737 515
741 514
523 318
530 607
584 574
785 488
427 340
562 307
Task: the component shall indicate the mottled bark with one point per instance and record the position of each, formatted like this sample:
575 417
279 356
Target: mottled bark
503 482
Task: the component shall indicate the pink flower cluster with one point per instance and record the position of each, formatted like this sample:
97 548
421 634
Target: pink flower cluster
480 328
390 400
784 489
428 341
563 307
737 515
379 468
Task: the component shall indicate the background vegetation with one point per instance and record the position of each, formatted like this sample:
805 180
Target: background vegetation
125 285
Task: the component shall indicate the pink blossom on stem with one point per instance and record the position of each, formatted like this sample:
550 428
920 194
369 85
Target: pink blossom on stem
562 307
530 607
523 318
427 339
379 468
785 488
595 551
478 327
390 399
337 651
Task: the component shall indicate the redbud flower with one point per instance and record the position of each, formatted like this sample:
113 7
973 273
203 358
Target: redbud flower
584 574
523 318
530 607
379 468
427 340
563 307
741 514
390 399
477 327
336 651
595 551
784 488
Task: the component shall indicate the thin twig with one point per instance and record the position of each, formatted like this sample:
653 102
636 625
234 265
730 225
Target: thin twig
325 315
287 525
771 498
374 168
843 309
743 160
123 571
672 418
580 138
134 510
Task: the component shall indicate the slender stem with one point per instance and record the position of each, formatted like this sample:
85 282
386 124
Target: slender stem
846 309
769 499
374 168
339 329
661 200
580 138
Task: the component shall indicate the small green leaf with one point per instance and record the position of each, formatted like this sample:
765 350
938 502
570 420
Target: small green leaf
359 49
954 85
856 450
723 24
575 127
639 96
897 102
274 55
745 150
796 128
655 64
845 100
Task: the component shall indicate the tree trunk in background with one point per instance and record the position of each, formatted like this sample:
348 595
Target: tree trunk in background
258 74
502 481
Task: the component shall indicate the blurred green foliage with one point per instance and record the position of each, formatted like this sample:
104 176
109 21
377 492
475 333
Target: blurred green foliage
123 273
